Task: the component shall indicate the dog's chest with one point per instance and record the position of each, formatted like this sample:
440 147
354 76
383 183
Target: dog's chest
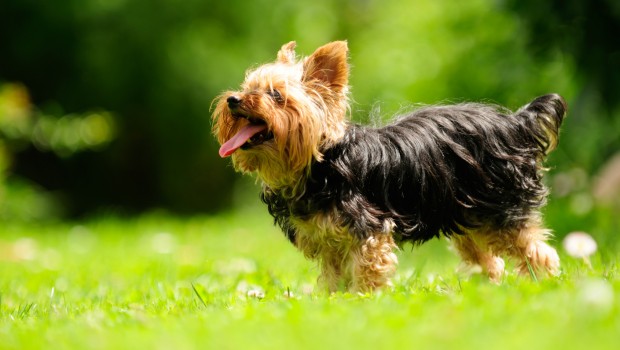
321 233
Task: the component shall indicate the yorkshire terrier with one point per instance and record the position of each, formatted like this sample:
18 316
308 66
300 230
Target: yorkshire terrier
349 195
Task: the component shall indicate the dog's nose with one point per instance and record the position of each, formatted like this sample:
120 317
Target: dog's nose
233 102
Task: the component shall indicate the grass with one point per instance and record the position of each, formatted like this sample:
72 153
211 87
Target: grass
234 282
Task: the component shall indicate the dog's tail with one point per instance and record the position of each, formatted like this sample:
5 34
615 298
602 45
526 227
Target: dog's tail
543 117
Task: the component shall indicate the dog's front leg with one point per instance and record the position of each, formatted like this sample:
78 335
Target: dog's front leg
333 276
372 263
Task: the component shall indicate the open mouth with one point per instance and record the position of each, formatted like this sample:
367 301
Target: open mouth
259 124
261 136
251 135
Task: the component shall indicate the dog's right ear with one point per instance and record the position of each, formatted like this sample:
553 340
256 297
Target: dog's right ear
328 64
287 53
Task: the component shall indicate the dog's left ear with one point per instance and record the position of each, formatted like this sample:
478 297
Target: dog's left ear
328 64
287 53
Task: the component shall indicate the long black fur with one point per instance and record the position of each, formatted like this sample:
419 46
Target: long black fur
436 170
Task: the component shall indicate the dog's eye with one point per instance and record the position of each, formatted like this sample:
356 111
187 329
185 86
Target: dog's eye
275 94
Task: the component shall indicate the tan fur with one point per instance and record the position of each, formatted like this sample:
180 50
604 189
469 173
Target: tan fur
304 126
373 263
346 262
474 250
527 244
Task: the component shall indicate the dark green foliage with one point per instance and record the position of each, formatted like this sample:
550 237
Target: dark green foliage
585 32
157 65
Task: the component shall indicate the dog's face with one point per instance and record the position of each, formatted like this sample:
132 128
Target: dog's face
285 114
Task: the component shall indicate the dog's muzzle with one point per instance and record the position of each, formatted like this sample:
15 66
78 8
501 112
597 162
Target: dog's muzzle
233 102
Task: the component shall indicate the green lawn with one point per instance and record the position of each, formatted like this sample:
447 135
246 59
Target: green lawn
234 282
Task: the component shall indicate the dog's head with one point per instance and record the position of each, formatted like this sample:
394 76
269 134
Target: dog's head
285 114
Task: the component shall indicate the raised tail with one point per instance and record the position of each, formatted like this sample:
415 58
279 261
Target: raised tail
543 118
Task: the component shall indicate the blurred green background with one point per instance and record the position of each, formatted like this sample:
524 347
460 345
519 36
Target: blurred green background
105 104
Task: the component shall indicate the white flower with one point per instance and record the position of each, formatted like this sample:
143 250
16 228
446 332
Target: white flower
579 245
25 249
256 293
163 243
596 295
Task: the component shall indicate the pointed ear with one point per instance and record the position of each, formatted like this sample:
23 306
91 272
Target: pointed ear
328 64
287 53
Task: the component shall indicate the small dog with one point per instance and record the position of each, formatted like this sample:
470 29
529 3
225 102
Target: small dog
349 195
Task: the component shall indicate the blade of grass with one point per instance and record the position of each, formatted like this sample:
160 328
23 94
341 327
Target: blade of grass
531 269
199 296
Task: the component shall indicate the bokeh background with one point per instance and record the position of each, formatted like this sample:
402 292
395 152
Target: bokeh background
105 104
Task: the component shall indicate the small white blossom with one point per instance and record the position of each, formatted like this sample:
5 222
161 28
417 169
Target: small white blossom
579 244
25 249
163 243
256 293
596 295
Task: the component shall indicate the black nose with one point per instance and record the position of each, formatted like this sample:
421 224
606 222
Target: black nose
233 102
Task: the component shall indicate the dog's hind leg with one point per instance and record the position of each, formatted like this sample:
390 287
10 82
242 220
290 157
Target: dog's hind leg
528 245
474 251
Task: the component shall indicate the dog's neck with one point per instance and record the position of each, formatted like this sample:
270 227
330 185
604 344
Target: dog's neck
290 188
282 178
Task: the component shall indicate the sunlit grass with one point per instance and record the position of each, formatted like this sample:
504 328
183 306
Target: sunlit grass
234 282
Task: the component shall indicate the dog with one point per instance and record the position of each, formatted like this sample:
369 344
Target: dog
348 195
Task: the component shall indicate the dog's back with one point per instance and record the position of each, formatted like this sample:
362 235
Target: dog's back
440 169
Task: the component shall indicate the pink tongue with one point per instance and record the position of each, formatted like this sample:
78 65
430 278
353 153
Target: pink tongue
230 146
